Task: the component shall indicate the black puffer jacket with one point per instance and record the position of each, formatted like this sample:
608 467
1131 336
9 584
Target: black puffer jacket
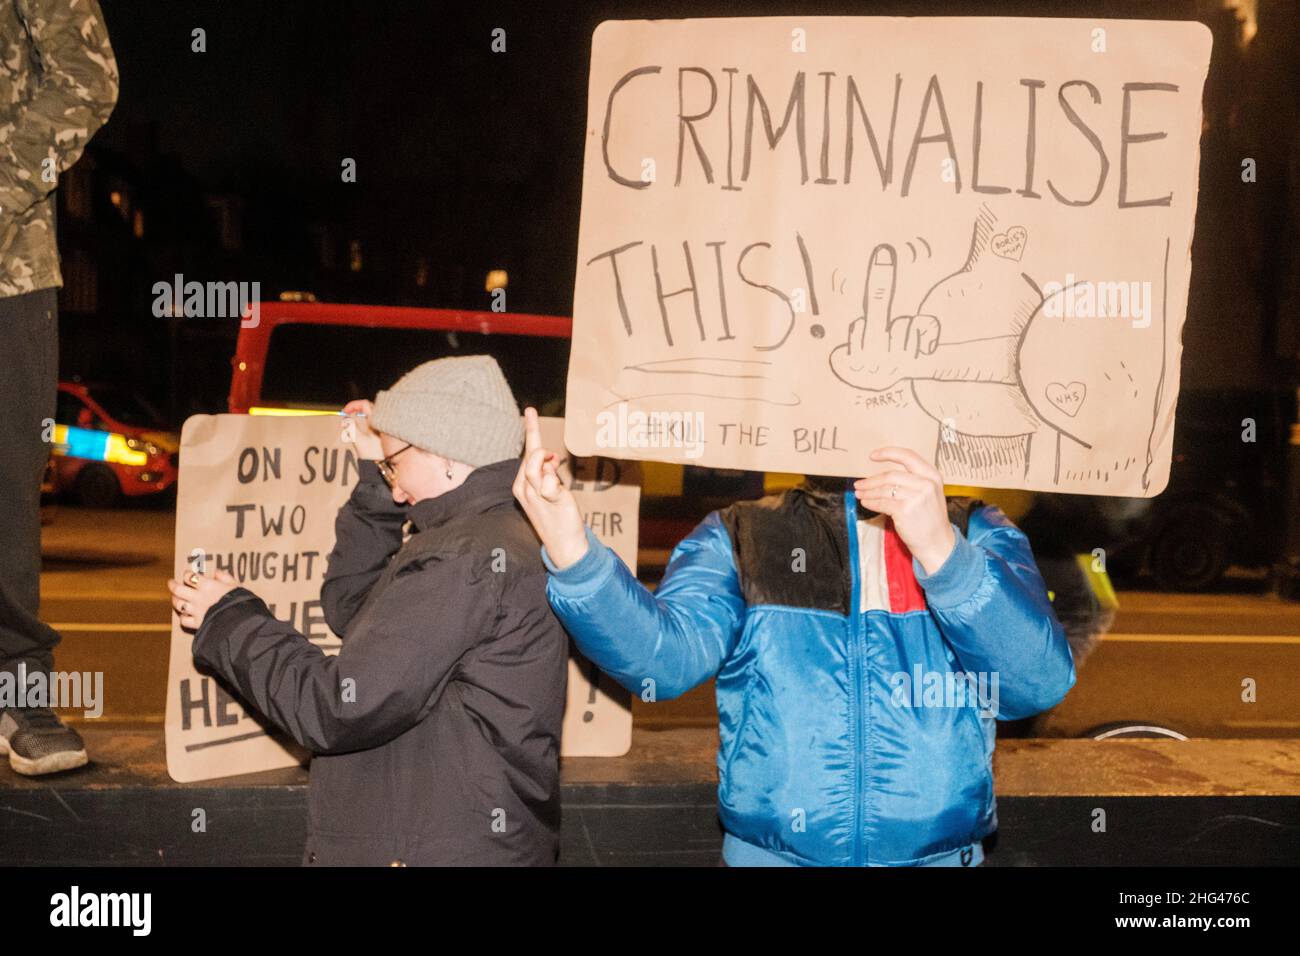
436 728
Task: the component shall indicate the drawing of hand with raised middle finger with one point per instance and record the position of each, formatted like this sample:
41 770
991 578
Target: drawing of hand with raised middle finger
882 348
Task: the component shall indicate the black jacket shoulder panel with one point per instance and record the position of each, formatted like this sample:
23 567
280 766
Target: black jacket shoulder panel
792 550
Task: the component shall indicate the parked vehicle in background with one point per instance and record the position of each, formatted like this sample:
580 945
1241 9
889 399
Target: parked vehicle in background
109 443
1226 500
1223 505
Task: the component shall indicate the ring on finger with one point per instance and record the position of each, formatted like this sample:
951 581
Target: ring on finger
192 579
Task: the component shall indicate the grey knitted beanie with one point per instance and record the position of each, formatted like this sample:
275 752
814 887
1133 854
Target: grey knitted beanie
459 407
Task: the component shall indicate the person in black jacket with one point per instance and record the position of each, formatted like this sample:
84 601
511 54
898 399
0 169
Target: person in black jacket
436 729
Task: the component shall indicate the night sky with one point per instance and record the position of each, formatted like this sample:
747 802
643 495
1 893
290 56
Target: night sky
468 157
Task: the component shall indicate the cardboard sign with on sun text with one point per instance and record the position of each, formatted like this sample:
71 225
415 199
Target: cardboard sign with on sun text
257 498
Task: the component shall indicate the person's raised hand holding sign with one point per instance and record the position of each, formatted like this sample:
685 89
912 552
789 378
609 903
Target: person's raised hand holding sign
549 505
913 497
356 424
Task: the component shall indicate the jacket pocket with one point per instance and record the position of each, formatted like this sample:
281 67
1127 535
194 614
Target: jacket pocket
972 719
737 738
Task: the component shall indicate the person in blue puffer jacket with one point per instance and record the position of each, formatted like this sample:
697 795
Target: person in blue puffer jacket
863 643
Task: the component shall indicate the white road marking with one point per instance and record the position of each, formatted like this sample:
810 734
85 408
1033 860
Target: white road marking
113 628
1200 638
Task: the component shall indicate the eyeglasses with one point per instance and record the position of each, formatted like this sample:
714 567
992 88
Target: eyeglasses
386 469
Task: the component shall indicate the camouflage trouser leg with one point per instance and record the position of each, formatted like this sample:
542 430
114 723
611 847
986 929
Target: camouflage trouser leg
30 336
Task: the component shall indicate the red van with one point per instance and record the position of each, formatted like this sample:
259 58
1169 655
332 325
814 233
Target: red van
310 356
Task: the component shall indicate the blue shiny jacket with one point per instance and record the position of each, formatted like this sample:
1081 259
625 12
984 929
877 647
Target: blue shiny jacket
856 694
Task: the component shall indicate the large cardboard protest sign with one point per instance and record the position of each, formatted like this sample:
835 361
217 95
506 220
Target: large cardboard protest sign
803 238
257 498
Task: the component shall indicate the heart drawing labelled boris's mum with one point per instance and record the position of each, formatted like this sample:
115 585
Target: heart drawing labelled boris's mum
1068 398
1010 244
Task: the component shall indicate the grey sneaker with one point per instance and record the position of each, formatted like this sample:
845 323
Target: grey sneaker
38 742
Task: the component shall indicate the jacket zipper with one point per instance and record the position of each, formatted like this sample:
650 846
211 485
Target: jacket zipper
857 658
